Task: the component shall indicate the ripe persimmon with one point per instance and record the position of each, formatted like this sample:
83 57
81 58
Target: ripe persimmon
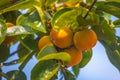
76 56
9 39
62 38
85 40
45 40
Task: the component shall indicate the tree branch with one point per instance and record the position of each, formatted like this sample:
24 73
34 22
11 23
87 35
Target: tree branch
91 6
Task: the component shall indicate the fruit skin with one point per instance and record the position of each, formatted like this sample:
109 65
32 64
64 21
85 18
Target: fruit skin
62 38
85 40
45 40
76 56
9 39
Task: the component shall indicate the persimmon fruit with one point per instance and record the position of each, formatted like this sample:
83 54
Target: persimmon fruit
62 38
85 40
9 39
45 40
76 56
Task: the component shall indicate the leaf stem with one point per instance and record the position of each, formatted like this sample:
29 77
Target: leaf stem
91 6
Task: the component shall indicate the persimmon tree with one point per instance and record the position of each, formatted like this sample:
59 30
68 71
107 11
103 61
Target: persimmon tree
58 33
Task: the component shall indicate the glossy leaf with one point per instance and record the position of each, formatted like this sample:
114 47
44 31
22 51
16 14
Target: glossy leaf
4 53
16 75
44 70
32 20
58 56
58 14
19 30
69 17
19 5
48 49
87 55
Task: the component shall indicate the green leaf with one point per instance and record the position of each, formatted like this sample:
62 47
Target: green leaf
22 51
16 75
87 55
32 20
4 53
72 1
58 56
89 1
113 0
113 53
81 21
3 29
68 75
44 70
68 17
11 16
108 8
117 23
104 31
58 14
92 19
6 3
48 49
116 4
20 5
76 70
19 30
30 43
26 59
49 2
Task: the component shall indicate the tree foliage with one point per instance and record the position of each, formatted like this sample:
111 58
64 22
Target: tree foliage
34 19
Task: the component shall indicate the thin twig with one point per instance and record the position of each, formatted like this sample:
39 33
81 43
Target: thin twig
91 6
10 63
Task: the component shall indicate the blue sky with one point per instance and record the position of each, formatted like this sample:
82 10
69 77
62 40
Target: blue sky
99 68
